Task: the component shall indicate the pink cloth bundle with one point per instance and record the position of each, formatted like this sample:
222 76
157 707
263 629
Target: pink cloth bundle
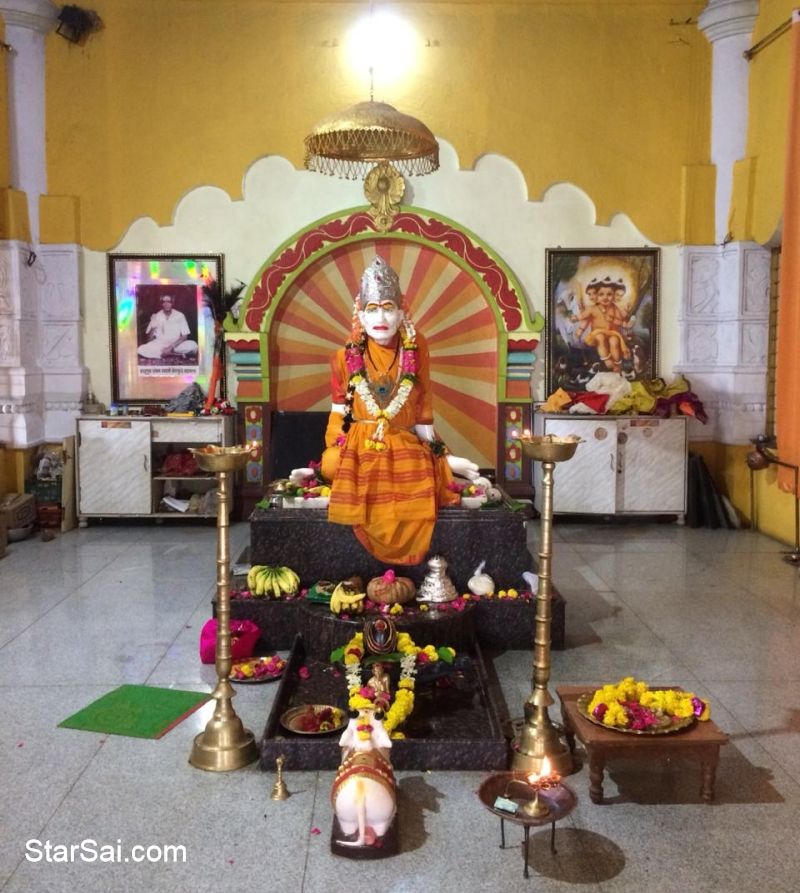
244 635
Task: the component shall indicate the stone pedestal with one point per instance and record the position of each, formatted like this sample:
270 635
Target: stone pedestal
304 540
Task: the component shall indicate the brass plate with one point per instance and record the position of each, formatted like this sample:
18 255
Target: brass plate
583 704
254 661
290 719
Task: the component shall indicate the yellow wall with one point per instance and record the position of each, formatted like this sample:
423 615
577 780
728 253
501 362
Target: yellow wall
172 94
766 137
769 509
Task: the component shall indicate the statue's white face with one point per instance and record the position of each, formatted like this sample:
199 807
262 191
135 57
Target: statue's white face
381 321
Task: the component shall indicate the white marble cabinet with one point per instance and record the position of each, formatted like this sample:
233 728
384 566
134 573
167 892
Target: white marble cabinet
625 465
120 464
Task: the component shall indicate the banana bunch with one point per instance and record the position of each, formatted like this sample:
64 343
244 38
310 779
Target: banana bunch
345 599
273 582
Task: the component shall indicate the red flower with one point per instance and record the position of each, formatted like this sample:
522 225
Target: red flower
304 672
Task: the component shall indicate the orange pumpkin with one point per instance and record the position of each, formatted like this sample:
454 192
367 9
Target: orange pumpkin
391 589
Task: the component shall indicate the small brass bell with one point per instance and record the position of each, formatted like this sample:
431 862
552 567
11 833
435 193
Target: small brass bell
279 789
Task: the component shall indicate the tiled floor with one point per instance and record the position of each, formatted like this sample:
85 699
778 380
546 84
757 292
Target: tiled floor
715 611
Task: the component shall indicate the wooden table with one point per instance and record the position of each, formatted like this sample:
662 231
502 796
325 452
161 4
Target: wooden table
700 742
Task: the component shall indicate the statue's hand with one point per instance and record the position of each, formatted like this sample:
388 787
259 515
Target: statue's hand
425 433
463 467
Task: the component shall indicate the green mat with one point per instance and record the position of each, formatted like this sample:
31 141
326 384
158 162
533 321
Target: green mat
138 711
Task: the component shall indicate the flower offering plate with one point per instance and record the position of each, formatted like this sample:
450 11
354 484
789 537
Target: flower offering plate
669 726
313 719
257 669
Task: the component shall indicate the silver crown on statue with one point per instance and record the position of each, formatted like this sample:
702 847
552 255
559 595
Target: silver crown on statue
379 282
437 587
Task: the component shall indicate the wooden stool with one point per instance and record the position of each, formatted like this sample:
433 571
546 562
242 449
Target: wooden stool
700 741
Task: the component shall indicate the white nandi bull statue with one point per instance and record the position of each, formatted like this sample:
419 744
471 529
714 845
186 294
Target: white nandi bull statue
364 795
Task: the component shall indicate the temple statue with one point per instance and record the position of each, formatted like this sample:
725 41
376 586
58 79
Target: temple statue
389 472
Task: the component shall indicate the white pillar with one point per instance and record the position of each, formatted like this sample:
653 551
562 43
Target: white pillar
27 22
728 24
41 375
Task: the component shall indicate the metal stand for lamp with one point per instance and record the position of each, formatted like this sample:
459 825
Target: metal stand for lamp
225 744
539 737
762 457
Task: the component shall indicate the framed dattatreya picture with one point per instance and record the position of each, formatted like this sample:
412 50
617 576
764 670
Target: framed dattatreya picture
602 315
162 329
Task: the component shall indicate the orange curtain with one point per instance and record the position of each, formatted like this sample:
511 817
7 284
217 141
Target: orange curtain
787 410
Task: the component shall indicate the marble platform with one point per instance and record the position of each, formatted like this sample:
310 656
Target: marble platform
306 541
457 726
498 624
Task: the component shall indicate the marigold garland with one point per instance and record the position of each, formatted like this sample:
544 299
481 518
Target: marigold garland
403 703
358 383
631 704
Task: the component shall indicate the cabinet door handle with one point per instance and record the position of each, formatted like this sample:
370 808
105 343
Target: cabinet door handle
145 463
611 464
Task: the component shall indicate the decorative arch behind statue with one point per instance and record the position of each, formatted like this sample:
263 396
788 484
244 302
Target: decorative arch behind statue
460 295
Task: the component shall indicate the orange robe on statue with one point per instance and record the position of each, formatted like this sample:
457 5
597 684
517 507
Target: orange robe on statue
391 496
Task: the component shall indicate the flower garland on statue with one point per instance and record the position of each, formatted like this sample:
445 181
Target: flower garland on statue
630 704
358 383
401 707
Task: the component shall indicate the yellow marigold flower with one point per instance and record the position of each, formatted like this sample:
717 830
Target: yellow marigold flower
397 736
502 594
424 608
396 609
359 702
406 683
615 715
512 593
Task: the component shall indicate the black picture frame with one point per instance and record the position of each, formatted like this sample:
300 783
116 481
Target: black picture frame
163 335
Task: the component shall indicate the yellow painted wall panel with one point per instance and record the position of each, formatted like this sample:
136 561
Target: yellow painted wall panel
740 222
172 94
771 508
59 219
768 103
14 223
697 204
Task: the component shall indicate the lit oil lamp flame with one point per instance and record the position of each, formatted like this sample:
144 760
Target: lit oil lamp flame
544 772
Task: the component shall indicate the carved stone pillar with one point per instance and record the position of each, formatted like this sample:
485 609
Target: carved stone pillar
21 392
42 380
724 323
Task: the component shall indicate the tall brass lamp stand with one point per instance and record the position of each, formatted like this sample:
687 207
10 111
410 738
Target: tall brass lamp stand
539 737
225 744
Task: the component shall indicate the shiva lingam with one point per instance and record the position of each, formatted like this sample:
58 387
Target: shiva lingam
540 740
225 744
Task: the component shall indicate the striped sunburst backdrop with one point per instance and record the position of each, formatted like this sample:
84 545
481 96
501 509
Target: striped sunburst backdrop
446 305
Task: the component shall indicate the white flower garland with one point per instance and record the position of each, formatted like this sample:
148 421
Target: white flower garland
384 416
